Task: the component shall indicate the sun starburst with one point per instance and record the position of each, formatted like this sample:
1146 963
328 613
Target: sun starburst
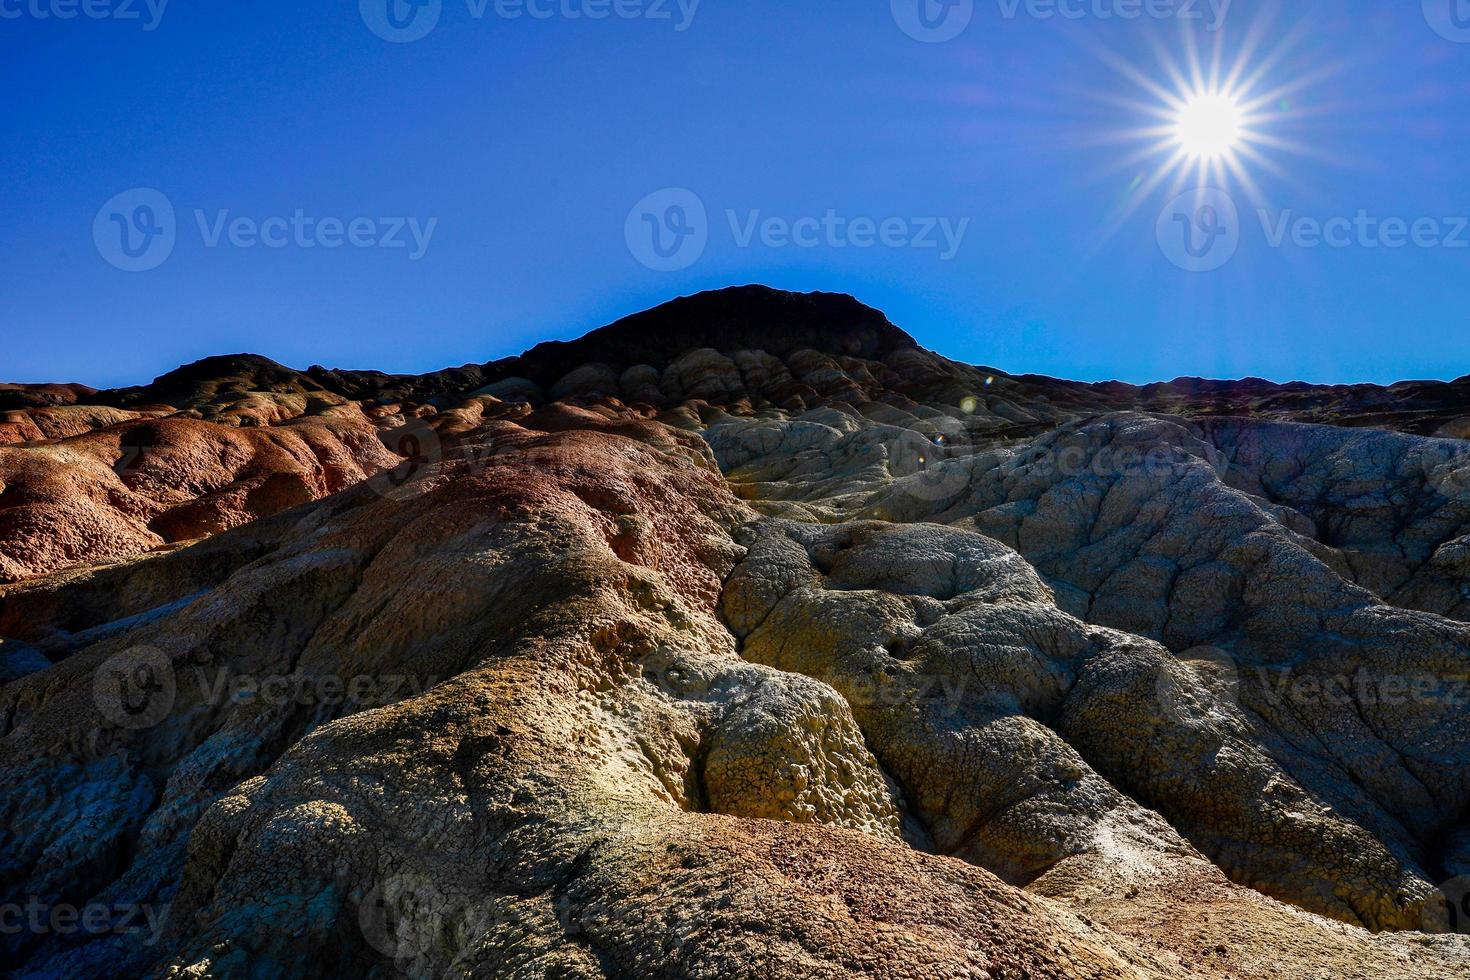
1208 120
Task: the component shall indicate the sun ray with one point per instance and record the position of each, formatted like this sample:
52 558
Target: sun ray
1313 78
1255 37
1170 167
1243 177
1209 112
1134 74
1196 69
1272 59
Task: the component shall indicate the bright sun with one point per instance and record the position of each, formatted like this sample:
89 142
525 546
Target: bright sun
1208 125
1208 120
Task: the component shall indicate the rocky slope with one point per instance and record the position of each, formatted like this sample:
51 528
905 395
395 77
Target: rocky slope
743 637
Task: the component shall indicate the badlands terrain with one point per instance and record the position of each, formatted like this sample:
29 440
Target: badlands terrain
741 638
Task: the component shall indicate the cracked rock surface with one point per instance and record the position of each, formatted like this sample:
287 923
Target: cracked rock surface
741 638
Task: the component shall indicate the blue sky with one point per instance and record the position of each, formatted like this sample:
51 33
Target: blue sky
484 187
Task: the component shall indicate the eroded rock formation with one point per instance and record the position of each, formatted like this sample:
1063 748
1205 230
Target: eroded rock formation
741 638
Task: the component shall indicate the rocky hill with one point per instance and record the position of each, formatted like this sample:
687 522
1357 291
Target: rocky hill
743 637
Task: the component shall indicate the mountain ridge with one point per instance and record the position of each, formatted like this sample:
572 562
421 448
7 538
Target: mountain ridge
781 322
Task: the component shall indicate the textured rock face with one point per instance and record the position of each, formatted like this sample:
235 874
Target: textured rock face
969 684
741 638
136 485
